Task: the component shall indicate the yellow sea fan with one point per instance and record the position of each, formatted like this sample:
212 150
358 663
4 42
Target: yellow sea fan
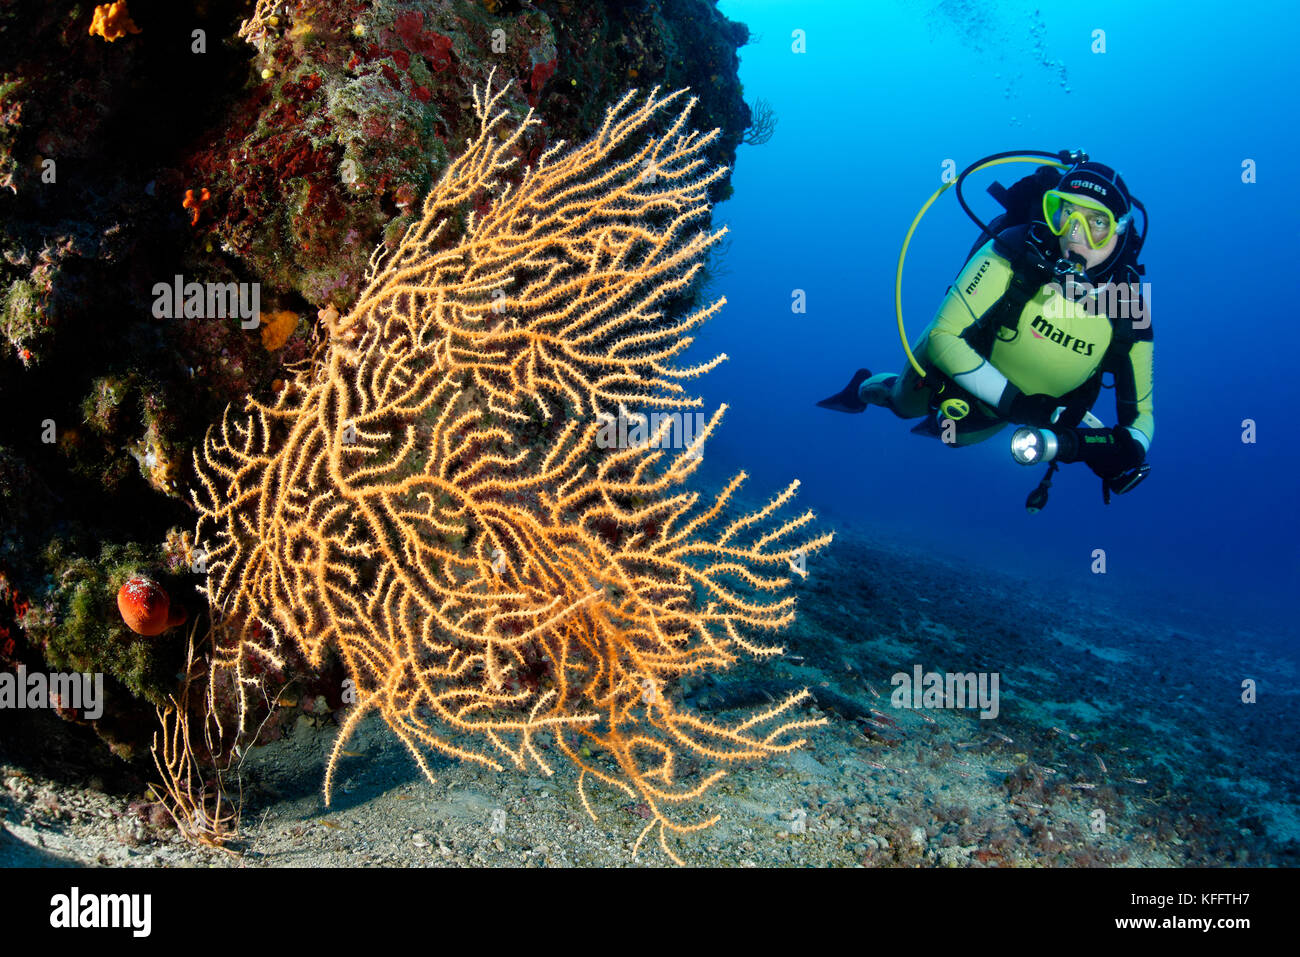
431 500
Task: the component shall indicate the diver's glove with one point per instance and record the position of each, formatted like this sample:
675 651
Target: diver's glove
1108 452
1034 410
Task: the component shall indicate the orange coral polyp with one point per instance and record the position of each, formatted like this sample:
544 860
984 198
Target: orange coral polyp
112 21
194 203
277 327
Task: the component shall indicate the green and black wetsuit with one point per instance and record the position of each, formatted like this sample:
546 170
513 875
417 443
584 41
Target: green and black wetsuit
1055 347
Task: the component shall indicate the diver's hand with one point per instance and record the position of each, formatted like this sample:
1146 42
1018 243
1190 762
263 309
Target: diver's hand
1110 452
1035 409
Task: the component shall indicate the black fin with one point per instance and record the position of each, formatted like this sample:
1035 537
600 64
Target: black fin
928 426
846 400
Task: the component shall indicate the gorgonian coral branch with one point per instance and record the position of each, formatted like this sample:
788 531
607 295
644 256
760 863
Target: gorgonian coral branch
432 500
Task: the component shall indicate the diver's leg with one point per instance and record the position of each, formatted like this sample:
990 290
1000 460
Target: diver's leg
903 394
898 393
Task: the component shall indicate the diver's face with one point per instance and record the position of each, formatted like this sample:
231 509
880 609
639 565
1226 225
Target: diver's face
1073 241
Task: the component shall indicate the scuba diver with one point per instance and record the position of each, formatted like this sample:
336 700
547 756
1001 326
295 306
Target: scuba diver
1039 312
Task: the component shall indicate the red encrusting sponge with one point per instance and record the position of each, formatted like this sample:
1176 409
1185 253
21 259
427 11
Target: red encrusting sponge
146 607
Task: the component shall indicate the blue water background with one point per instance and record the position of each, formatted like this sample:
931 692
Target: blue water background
886 92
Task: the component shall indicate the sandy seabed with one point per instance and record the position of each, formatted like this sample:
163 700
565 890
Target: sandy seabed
1121 740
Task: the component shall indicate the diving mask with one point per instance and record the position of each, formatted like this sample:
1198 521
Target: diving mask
1063 211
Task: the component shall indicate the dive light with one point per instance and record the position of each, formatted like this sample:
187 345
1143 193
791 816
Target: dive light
1031 446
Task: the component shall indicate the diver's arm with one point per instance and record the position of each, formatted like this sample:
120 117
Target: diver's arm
1111 453
981 284
1134 392
1129 359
